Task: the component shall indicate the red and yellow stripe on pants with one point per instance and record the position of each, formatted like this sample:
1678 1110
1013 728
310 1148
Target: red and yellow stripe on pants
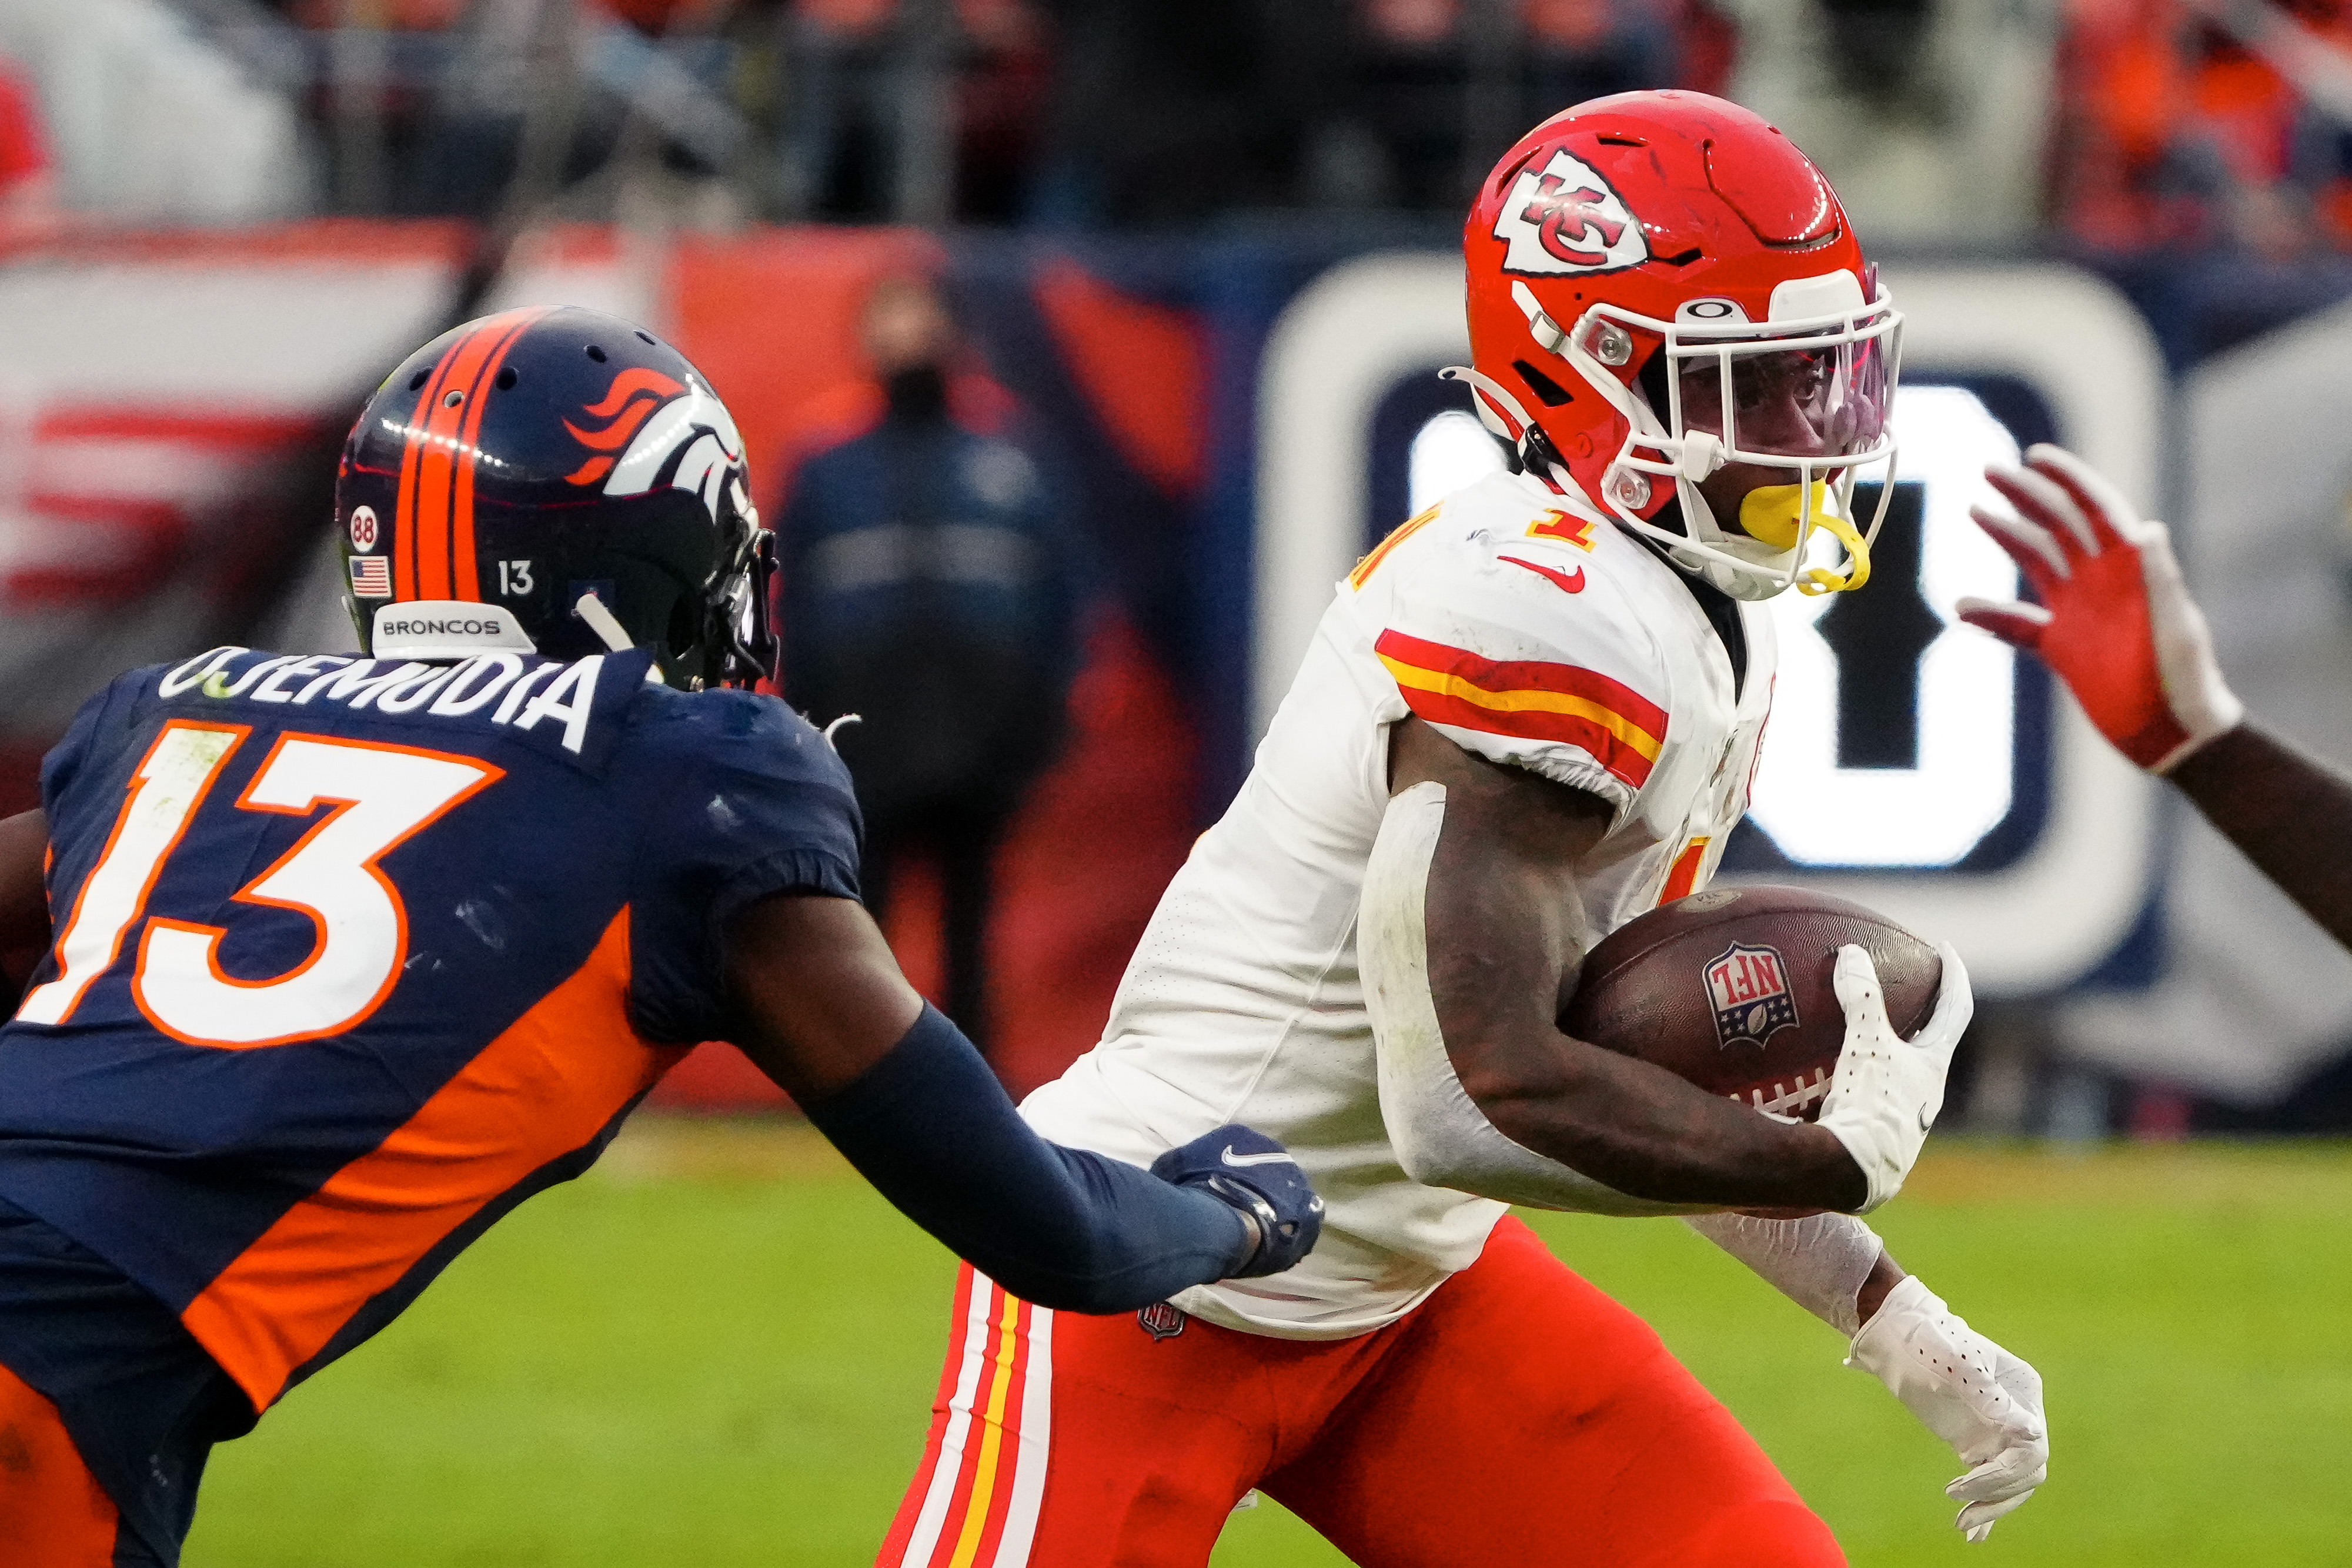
53 1512
974 1503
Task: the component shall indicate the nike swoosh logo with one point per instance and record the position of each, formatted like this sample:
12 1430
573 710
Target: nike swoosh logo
1277 1158
1565 582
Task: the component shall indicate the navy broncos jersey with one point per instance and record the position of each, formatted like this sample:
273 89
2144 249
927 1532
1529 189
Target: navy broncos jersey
350 956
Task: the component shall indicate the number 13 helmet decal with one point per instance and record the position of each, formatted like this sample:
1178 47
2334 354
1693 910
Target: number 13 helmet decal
520 461
1628 261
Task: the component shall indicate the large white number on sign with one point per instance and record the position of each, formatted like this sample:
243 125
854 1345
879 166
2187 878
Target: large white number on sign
164 791
383 795
1819 813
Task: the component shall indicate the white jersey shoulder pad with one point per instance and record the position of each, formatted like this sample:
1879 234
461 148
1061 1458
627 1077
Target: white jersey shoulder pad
1527 633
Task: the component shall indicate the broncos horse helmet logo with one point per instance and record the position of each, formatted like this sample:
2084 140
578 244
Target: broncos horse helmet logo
656 433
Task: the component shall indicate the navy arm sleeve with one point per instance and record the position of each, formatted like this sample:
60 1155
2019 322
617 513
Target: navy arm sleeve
931 1128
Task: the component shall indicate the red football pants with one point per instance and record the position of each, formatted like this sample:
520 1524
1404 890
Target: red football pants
53 1512
1516 1417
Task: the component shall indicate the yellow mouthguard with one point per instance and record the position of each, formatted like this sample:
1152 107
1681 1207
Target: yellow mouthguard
1775 513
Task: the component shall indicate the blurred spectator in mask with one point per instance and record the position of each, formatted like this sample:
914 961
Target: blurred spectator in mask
28 187
927 590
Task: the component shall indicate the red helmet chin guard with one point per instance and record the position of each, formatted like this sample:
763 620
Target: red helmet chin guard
1630 260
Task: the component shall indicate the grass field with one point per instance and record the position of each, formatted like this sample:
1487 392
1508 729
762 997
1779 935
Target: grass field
719 1349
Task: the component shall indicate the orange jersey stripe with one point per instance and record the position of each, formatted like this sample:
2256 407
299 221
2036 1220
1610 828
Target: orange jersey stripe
1530 700
1622 760
1397 535
543 1089
1685 875
1511 676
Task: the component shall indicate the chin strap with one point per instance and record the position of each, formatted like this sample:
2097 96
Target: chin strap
602 622
1507 417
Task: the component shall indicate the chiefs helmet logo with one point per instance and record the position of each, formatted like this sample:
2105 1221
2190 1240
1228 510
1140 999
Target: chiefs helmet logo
1565 218
668 435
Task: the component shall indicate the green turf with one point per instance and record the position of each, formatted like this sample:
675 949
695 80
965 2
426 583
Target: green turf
721 1352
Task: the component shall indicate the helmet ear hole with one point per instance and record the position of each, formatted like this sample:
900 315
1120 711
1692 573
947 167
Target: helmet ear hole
683 631
1550 392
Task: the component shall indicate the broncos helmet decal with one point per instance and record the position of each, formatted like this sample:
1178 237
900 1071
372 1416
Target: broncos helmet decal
677 437
530 457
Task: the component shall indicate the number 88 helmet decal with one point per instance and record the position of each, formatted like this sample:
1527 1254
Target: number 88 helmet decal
1628 260
520 461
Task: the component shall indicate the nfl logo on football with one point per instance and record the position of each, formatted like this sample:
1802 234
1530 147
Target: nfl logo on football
1749 989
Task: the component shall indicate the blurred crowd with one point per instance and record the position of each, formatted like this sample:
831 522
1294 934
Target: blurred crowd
2119 126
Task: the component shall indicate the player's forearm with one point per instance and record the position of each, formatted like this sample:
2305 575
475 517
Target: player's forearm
1465 952
822 1009
2289 813
930 1126
1644 1132
1832 1265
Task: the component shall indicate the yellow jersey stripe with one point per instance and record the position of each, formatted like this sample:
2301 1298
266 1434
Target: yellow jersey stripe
1632 735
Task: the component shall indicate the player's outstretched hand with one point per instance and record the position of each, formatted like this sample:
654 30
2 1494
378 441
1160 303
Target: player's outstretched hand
1983 1401
2114 621
1244 1167
1887 1090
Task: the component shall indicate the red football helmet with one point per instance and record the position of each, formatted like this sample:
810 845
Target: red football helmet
1632 259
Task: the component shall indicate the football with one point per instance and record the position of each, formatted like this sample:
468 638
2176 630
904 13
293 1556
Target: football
1732 990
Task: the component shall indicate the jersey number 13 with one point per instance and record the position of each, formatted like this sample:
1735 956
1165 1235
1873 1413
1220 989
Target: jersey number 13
380 796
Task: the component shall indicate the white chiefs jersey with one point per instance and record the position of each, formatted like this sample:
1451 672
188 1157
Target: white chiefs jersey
1529 632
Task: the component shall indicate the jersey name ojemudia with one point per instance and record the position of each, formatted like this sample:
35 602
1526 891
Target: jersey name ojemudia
352 956
1528 633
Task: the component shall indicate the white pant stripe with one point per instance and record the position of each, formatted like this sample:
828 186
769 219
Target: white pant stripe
978 1338
1036 1447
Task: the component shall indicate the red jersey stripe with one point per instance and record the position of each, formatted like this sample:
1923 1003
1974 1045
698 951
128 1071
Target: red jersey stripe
1500 675
1684 877
546 1086
1534 724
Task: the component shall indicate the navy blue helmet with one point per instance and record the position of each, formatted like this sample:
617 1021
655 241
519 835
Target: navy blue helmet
516 462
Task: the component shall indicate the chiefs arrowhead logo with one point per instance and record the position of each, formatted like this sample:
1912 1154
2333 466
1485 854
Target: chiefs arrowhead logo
1565 218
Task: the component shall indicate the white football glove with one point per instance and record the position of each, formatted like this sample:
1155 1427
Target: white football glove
2115 620
1983 1401
1887 1090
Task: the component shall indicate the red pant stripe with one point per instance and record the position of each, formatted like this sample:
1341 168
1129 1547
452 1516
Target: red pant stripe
985 1479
